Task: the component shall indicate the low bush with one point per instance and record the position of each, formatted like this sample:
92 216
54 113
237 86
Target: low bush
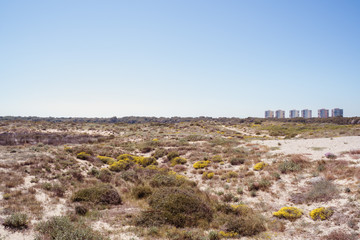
216 158
172 155
83 156
340 235
125 161
245 225
105 175
201 164
181 207
290 213
100 194
289 166
231 174
178 160
237 161
121 165
107 160
239 220
321 213
62 228
169 180
159 153
81 210
228 197
321 191
184 234
259 166
214 235
58 189
141 191
208 175
16 221
262 184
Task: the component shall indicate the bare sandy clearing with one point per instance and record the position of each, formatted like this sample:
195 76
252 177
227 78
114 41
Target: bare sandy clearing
313 148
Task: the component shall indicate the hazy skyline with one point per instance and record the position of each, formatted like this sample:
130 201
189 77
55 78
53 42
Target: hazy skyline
178 58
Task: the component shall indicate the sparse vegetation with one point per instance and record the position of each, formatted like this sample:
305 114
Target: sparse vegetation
290 213
104 194
16 221
63 228
156 170
181 207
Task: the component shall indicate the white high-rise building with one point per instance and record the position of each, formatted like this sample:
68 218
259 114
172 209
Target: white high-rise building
269 114
280 114
306 113
337 112
323 113
294 114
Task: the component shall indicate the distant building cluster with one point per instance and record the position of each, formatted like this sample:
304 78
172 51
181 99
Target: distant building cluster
305 113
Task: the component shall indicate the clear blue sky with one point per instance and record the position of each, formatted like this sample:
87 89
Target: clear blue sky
85 58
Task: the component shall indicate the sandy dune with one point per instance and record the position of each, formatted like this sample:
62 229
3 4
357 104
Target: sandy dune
313 148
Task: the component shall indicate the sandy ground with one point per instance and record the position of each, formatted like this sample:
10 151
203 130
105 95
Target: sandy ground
316 148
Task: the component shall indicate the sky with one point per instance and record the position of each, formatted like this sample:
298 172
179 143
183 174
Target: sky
188 58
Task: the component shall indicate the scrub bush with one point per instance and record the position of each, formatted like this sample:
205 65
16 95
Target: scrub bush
181 207
141 191
104 194
178 160
62 228
290 213
201 164
259 166
83 156
321 213
16 221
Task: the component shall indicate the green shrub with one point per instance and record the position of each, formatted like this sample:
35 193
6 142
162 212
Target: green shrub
61 228
178 160
81 210
216 158
160 152
166 180
172 155
228 197
125 161
16 221
201 164
83 156
263 184
105 175
239 220
181 207
321 191
245 225
129 175
237 161
289 166
213 236
47 186
146 161
120 165
58 189
141 191
290 213
340 235
104 194
107 160
148 146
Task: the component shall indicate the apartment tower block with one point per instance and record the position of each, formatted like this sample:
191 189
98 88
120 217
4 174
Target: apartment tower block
269 114
306 113
294 114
